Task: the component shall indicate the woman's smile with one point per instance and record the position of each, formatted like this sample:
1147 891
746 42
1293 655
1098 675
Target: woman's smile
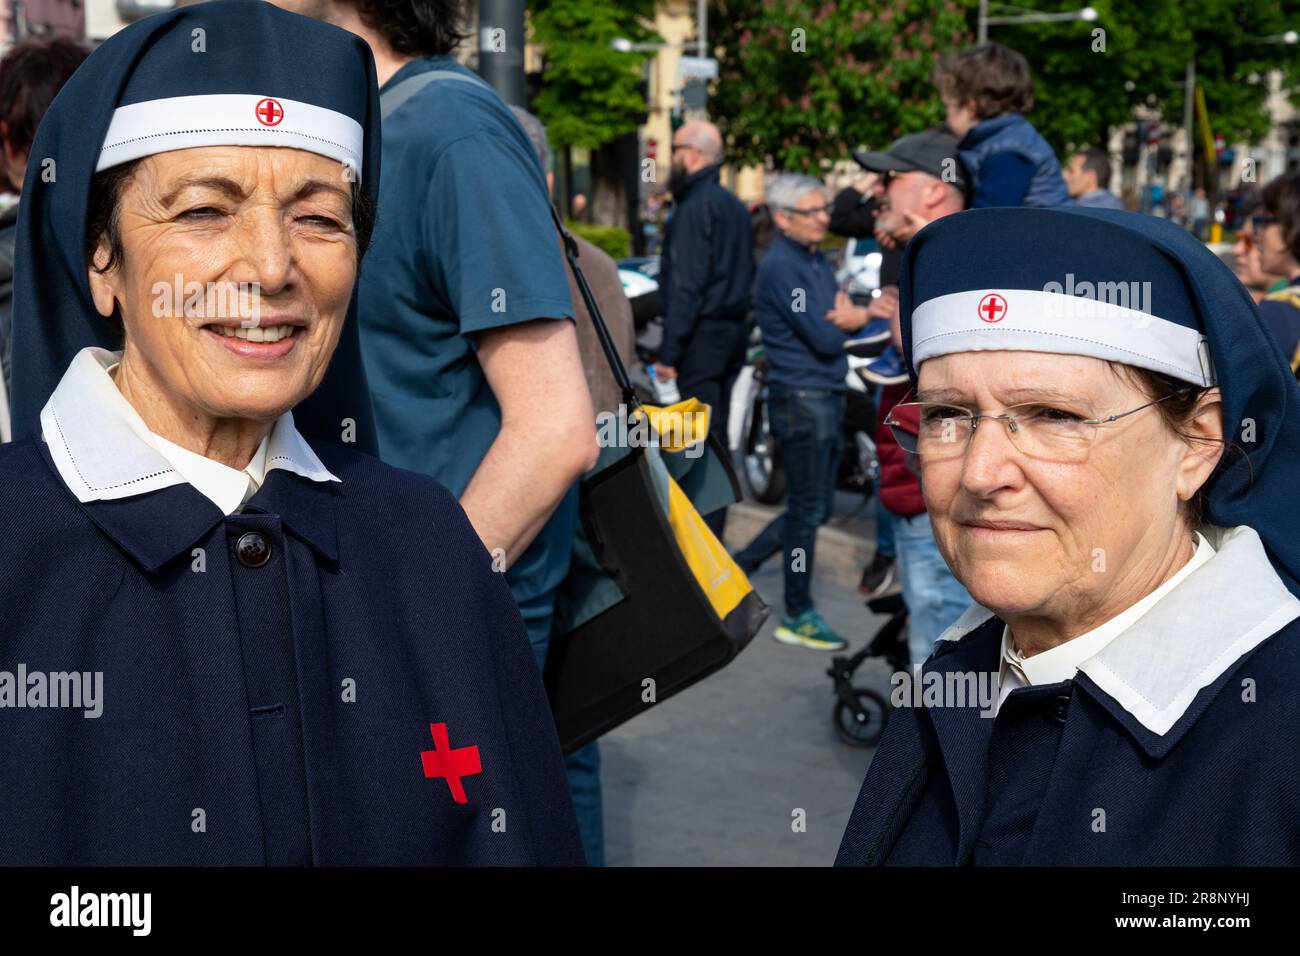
262 344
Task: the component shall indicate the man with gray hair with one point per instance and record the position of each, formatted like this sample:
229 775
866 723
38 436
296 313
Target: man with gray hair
706 274
805 319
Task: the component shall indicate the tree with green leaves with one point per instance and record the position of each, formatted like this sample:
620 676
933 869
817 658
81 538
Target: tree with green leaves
1090 76
591 92
804 82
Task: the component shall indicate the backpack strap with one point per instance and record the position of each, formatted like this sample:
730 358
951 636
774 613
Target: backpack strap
390 100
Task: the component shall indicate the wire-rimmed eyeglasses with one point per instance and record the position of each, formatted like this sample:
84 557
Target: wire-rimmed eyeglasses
1057 432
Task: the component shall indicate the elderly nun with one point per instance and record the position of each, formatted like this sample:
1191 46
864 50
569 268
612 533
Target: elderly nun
228 638
1108 443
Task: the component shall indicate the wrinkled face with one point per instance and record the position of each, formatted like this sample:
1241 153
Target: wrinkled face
808 222
237 270
1088 530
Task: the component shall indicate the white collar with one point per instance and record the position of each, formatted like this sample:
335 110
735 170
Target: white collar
227 488
1189 636
1061 662
103 449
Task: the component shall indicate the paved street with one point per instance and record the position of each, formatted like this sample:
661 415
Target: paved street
713 775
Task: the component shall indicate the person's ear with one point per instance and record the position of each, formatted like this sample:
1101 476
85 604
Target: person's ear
1205 446
936 190
103 285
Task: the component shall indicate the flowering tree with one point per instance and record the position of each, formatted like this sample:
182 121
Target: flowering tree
805 82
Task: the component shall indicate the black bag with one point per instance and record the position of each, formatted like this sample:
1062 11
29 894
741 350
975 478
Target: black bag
639 617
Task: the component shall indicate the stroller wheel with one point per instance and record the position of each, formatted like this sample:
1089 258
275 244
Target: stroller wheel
863 725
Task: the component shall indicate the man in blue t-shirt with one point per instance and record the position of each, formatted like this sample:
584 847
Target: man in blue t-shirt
474 380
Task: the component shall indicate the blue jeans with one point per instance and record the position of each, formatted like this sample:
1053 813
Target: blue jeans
885 546
935 599
806 424
884 517
582 767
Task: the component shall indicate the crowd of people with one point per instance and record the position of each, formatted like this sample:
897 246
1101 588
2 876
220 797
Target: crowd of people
985 155
193 516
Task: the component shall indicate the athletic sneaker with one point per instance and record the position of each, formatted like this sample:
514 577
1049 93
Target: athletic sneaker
875 331
809 630
879 578
886 370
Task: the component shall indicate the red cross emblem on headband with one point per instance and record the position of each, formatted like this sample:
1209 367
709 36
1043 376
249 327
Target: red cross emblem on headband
269 112
992 307
450 764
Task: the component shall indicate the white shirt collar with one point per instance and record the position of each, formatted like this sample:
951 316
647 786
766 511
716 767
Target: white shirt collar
1190 635
103 449
1061 662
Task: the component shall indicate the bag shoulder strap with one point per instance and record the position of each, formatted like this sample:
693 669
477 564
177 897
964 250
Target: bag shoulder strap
390 100
602 330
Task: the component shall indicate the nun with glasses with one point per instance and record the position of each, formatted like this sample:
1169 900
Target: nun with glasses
1109 446
228 636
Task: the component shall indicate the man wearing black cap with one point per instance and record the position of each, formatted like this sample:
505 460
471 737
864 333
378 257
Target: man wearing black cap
921 179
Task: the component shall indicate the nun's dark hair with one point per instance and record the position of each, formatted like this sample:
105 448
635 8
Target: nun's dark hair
102 216
1175 412
416 27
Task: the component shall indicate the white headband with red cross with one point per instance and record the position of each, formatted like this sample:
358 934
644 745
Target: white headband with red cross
230 119
1111 323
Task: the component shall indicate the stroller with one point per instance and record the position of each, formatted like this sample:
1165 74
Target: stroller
860 714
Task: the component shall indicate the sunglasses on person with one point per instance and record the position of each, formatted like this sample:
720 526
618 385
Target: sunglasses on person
889 175
807 212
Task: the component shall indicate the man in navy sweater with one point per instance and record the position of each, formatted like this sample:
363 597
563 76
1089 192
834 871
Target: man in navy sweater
805 320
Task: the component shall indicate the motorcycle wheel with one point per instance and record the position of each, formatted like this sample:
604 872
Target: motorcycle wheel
763 469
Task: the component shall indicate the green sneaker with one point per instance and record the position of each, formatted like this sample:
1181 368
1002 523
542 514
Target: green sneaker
809 630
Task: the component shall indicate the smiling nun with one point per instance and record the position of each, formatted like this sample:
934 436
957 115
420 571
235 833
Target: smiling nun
305 655
1109 446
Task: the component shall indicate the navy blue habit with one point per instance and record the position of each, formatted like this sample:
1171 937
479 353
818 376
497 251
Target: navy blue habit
1175 744
334 675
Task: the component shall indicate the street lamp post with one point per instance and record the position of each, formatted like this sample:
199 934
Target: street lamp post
1023 15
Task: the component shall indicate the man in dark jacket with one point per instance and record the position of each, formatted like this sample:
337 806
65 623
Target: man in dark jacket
706 277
